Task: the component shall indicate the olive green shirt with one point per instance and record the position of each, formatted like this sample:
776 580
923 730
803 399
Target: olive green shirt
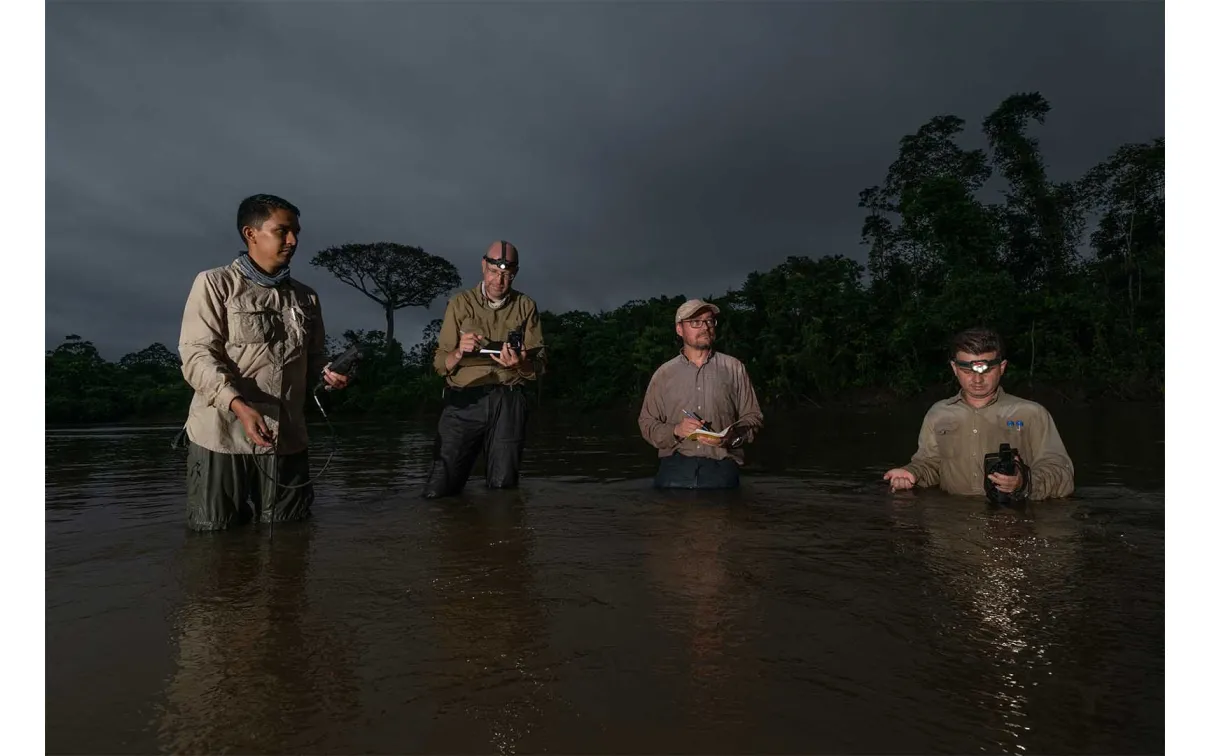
955 437
719 391
469 312
264 344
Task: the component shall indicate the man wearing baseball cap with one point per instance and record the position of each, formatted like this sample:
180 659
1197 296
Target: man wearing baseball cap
700 407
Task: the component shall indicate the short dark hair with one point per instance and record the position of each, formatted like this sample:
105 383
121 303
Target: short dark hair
255 210
977 341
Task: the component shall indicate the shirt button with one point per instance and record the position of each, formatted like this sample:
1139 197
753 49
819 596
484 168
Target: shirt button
976 430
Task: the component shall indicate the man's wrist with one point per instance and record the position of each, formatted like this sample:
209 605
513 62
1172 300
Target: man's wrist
1023 488
226 396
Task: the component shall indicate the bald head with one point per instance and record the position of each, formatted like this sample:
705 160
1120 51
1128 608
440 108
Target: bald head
500 266
503 249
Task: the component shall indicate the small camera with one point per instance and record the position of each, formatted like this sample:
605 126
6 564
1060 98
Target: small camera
1003 462
516 340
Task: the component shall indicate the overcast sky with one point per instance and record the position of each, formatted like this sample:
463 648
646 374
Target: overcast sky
628 149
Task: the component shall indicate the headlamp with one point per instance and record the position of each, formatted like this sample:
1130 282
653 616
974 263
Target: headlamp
978 366
501 263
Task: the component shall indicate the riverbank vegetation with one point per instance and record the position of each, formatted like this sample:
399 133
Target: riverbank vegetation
1071 272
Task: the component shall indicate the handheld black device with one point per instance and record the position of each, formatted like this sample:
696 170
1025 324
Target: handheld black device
1003 462
345 364
516 339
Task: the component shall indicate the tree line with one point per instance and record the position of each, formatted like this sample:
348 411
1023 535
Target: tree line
1070 272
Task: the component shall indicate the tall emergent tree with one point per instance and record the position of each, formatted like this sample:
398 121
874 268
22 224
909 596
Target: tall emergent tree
393 275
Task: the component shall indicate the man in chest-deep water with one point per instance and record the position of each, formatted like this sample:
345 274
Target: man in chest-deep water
959 431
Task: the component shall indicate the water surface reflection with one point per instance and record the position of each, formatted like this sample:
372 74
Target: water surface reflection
807 612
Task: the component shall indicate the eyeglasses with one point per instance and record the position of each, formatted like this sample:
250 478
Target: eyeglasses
978 366
498 273
696 324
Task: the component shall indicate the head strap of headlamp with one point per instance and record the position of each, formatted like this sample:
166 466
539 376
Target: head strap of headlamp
979 366
502 262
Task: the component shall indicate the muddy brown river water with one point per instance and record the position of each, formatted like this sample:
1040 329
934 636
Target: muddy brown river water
808 612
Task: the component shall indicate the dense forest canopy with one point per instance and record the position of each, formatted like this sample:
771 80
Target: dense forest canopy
1070 272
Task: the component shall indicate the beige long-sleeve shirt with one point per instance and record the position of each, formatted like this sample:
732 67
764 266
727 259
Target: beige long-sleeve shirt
469 311
955 437
264 344
719 391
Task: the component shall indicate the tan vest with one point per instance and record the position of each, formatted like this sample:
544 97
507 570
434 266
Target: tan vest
264 344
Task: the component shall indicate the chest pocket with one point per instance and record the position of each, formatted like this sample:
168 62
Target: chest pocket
253 326
471 325
946 434
305 313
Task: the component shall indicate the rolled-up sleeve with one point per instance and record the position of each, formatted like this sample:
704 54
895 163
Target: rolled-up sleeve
202 345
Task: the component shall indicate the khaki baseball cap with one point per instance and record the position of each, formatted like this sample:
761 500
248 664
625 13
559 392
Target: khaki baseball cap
693 307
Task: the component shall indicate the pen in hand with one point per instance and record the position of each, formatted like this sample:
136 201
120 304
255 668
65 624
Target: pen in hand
697 417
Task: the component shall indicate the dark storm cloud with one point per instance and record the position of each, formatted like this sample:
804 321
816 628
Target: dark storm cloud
629 150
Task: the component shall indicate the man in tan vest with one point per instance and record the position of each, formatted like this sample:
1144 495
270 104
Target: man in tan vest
252 346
